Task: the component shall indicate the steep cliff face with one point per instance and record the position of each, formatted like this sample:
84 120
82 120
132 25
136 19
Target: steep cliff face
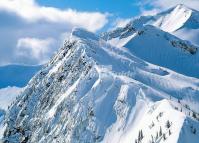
91 91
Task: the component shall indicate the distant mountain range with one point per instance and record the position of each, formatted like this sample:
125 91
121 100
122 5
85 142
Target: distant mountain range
16 75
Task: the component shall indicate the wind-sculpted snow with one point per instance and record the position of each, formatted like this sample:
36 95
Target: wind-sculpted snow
92 92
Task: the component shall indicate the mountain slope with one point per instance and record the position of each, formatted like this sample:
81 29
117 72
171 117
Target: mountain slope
7 97
160 48
163 49
177 18
180 21
80 96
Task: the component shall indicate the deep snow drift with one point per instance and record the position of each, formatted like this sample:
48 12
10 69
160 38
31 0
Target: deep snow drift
92 92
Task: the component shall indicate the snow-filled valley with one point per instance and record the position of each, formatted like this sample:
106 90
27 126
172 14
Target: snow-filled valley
135 84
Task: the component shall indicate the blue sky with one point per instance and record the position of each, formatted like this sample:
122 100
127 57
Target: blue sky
33 30
120 8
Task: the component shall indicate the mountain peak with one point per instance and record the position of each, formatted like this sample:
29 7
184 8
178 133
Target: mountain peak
183 6
84 34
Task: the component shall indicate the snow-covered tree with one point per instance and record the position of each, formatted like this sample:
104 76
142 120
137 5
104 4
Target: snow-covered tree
164 136
168 124
160 132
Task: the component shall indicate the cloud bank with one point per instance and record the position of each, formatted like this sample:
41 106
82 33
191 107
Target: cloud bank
31 33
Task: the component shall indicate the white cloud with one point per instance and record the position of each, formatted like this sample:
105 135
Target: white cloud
37 49
32 12
39 25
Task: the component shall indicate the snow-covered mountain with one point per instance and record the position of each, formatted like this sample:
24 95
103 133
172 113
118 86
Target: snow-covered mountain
12 80
177 18
92 91
180 21
145 40
161 48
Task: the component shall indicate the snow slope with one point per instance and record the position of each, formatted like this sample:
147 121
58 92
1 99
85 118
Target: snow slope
82 96
8 95
180 21
152 39
174 18
159 122
161 48
12 80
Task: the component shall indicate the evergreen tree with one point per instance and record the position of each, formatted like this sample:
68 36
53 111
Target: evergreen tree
160 132
141 135
152 140
164 136
136 141
156 136
194 131
168 124
194 115
169 132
